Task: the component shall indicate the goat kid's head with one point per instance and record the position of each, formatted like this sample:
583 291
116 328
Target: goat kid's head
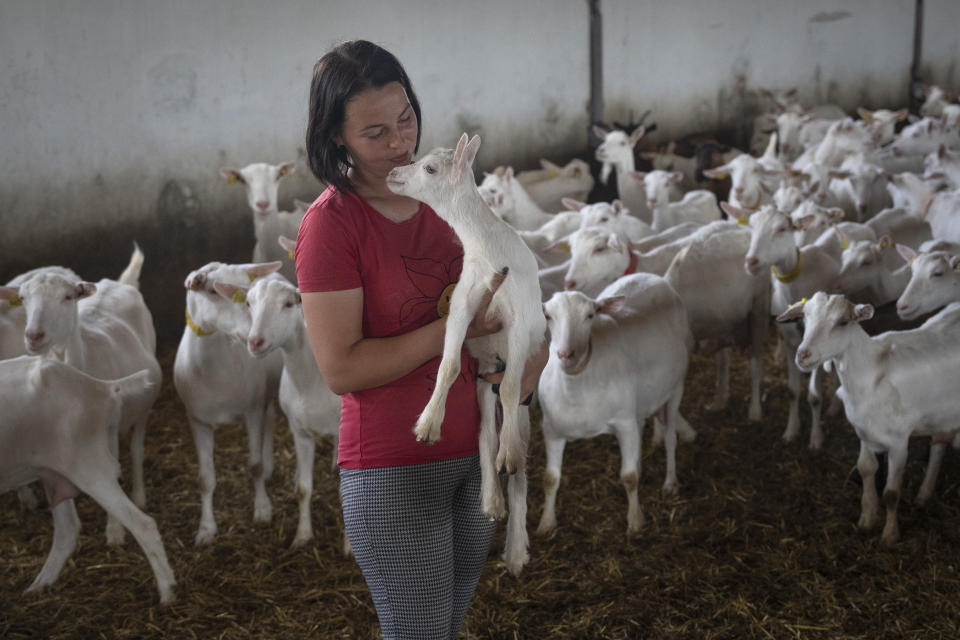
437 176
50 302
828 321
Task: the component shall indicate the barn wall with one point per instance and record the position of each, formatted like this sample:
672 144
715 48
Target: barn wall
117 114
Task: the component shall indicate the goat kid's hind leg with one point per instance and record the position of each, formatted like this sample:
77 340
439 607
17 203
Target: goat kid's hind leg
463 305
491 496
513 441
66 528
256 422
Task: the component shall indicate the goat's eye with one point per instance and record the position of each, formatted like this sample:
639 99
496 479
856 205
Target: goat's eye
843 323
599 249
429 169
287 305
212 292
936 274
604 219
590 316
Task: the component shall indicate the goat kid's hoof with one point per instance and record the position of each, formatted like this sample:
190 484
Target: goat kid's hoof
426 433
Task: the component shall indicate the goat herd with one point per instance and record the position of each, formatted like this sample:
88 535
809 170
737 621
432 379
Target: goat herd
836 220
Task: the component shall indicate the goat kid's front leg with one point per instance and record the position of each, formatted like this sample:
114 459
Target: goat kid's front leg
896 462
463 305
515 553
869 502
256 422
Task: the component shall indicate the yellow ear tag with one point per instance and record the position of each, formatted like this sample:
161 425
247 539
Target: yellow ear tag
231 179
744 221
554 173
884 244
251 275
239 296
564 246
720 176
15 300
844 244
837 213
577 172
291 255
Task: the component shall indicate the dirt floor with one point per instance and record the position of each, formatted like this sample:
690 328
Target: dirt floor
761 543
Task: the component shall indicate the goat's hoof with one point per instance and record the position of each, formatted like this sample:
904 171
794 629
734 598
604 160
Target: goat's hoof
204 537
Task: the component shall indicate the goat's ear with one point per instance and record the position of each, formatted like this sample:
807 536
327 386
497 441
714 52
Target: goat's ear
286 169
11 295
287 245
907 253
954 262
793 312
85 289
464 154
610 305
865 114
717 173
676 177
572 205
263 269
736 213
549 166
617 207
862 312
599 131
229 291
637 134
232 175
804 222
560 246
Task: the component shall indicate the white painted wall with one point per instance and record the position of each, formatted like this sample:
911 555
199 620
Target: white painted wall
117 114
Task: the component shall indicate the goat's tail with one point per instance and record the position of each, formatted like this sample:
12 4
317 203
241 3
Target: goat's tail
131 275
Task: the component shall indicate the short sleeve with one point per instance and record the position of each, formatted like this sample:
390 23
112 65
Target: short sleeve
327 254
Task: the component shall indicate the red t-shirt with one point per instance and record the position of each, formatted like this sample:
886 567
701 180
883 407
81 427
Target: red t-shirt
407 271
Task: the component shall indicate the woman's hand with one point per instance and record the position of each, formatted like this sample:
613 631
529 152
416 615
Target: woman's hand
531 371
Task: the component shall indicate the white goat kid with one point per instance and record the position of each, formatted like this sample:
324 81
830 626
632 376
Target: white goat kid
934 282
613 362
510 201
616 217
551 184
103 329
56 427
220 383
444 180
616 153
312 409
893 385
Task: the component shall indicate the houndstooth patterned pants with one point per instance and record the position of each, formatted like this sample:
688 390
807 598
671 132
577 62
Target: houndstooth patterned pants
420 539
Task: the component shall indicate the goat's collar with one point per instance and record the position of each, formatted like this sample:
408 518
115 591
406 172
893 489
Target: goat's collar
586 360
632 266
787 278
200 333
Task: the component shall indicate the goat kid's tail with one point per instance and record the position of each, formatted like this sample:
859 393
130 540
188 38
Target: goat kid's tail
131 275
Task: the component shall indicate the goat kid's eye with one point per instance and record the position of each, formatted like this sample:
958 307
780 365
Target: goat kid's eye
429 169
599 249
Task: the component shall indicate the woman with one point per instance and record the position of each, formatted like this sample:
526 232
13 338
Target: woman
375 271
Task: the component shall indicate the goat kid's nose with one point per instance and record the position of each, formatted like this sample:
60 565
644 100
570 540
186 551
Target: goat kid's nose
34 336
263 205
751 263
565 354
256 343
803 355
569 285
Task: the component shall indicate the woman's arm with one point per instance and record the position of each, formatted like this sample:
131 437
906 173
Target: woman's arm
350 362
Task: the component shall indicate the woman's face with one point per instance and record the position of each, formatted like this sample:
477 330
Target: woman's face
379 130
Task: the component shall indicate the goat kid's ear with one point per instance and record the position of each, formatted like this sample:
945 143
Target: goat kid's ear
907 253
572 205
549 166
231 292
610 305
287 244
862 312
464 155
232 175
954 261
263 269
11 295
736 213
805 222
617 207
599 131
793 312
637 134
560 246
85 289
286 169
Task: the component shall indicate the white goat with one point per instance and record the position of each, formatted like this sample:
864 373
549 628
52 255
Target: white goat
699 205
796 272
616 153
444 180
312 409
615 217
56 427
262 183
613 362
510 201
219 383
934 282
938 208
893 385
551 184
102 329
751 178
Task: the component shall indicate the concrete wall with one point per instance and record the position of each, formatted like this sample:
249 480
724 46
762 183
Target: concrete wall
116 115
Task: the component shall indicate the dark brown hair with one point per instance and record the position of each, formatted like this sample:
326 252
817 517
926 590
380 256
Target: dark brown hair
338 76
